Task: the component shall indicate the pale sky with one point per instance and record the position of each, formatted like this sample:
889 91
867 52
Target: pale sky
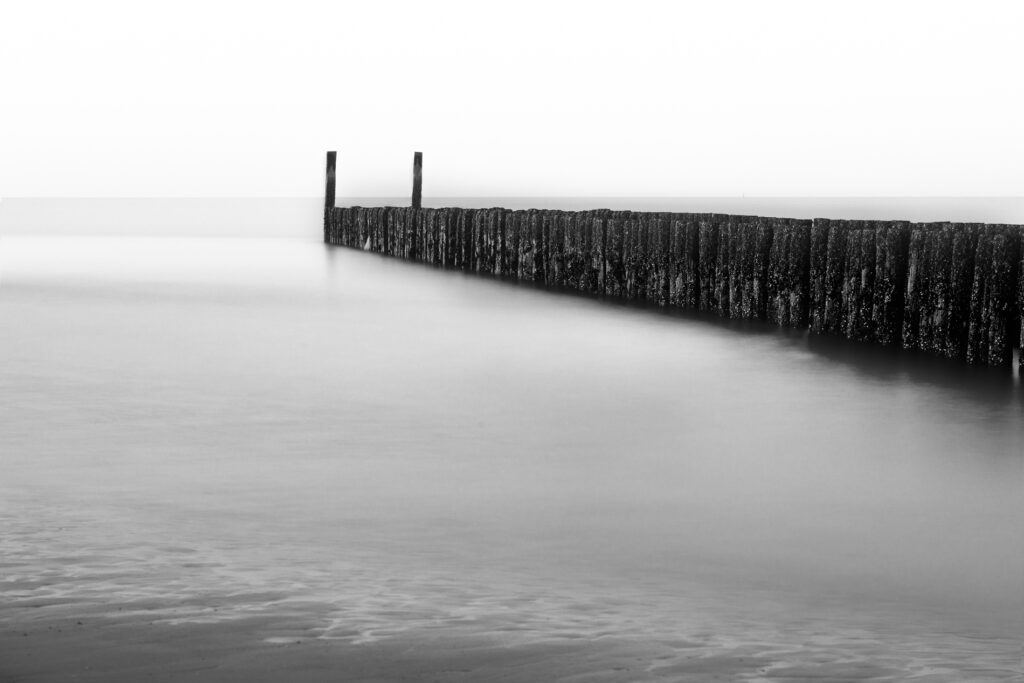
513 98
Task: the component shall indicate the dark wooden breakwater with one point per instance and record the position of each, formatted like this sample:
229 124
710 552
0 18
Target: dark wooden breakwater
951 289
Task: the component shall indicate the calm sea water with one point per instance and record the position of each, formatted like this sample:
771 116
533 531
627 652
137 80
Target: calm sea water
269 424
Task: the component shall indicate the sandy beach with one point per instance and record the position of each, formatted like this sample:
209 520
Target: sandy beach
66 642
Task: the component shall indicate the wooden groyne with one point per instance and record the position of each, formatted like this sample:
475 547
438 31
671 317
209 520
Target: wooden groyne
950 289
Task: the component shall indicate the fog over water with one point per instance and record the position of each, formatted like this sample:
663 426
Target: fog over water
274 425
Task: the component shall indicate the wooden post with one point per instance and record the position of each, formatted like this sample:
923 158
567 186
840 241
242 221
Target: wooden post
329 192
417 179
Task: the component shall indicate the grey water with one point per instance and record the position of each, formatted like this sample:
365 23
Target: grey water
190 417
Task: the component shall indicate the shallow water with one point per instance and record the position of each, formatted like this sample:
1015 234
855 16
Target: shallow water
210 428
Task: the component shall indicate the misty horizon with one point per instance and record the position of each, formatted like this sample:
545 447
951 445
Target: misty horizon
282 216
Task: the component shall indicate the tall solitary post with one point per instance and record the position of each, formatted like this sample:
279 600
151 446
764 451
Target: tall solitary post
329 192
417 179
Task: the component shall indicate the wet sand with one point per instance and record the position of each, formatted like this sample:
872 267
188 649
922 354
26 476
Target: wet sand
63 642
96 611
59 648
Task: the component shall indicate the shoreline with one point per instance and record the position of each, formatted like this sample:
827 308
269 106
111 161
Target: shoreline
71 640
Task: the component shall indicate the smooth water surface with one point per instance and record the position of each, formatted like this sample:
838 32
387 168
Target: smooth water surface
217 427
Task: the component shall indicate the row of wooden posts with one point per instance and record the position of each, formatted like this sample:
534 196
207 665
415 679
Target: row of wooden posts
952 289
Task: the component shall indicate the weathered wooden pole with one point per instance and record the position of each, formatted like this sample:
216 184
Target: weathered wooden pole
417 179
329 192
